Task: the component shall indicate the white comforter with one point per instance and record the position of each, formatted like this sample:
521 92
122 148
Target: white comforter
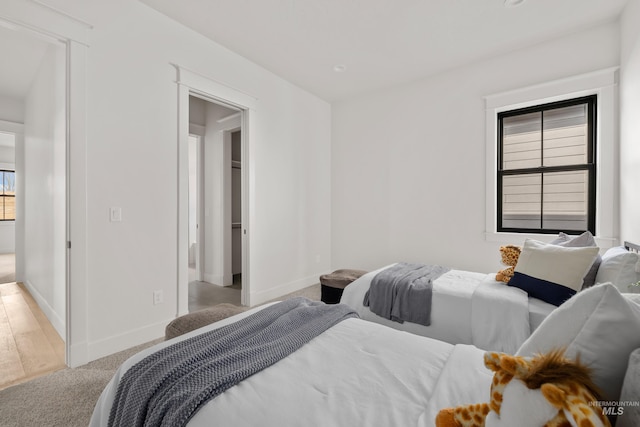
467 308
356 373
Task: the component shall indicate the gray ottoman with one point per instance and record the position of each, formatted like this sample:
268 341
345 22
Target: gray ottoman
198 319
332 285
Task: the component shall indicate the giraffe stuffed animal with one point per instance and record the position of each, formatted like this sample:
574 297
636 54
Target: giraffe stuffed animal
509 256
544 391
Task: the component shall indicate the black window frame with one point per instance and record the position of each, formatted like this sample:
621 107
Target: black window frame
590 166
3 196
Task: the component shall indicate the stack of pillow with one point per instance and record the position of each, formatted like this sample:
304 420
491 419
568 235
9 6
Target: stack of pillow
556 271
601 327
620 267
584 240
597 323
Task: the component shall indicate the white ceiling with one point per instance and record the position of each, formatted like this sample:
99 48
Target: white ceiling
381 42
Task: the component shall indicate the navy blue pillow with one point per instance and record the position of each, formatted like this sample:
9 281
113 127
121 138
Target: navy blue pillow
544 290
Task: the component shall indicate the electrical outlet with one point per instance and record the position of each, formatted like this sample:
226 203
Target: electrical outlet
158 297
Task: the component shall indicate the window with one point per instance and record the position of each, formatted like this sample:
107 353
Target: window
8 195
546 168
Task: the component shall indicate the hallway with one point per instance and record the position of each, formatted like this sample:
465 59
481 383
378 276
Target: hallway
29 345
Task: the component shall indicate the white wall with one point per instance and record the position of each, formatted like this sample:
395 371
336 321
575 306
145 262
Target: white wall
131 159
7 154
197 111
11 109
408 163
197 127
630 122
44 188
194 170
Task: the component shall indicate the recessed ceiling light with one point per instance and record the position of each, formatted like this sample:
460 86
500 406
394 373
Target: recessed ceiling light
513 3
340 68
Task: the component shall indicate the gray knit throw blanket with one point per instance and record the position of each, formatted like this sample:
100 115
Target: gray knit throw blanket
403 292
169 386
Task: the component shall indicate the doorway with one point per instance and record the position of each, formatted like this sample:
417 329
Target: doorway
194 85
33 203
44 24
214 204
7 207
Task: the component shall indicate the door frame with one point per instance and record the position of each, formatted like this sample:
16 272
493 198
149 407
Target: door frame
192 83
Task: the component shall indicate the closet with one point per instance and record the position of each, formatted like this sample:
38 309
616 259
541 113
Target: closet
236 207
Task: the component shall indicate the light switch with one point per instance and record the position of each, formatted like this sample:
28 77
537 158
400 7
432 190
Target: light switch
115 214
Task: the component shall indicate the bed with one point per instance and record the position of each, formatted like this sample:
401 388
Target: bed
362 373
472 308
459 317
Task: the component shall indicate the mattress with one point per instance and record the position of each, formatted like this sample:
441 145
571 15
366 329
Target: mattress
452 310
356 373
538 311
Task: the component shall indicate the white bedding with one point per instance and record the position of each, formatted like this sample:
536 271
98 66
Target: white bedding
499 316
356 373
459 318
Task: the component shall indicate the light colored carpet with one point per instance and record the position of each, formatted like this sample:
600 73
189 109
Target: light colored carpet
66 398
312 292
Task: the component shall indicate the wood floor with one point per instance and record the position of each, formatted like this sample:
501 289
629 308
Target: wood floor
29 345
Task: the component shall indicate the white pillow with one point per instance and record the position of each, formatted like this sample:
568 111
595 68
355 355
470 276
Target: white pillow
635 297
601 326
584 239
630 416
552 273
618 267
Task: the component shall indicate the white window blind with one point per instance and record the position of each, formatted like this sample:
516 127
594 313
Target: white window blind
546 166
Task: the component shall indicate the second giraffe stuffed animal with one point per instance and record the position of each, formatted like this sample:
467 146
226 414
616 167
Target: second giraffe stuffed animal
545 391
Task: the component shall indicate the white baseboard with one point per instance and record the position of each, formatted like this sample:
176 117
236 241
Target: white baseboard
116 343
57 322
260 297
77 355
